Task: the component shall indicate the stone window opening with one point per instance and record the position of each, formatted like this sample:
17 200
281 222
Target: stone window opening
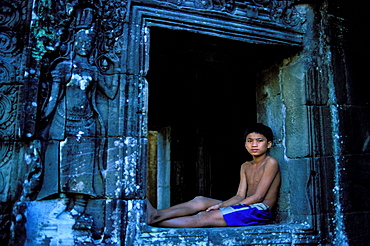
202 94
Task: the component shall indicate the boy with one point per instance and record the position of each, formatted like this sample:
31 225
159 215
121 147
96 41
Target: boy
257 193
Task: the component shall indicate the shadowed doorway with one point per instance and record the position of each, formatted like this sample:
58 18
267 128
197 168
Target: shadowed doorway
202 95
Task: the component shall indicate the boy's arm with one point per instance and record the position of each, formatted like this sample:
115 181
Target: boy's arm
269 174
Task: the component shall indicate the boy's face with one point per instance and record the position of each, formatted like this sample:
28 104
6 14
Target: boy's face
257 144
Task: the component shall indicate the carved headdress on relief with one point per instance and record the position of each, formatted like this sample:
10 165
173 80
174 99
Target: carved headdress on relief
84 18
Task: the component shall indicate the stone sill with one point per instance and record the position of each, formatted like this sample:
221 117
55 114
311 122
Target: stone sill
281 234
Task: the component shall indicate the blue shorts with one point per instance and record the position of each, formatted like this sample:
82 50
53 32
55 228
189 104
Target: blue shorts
246 215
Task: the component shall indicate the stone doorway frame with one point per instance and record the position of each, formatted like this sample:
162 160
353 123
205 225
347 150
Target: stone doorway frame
143 18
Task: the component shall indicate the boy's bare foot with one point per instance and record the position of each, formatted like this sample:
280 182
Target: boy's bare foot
152 213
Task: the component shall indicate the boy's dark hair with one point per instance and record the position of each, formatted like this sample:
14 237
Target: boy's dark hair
261 129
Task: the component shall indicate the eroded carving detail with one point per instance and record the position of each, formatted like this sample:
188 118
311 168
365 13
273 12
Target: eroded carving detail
112 14
9 15
278 11
8 111
6 153
6 73
12 36
7 42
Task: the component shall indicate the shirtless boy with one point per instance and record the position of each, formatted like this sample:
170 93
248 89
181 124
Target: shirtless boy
257 193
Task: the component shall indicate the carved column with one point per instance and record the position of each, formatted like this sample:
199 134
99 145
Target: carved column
16 157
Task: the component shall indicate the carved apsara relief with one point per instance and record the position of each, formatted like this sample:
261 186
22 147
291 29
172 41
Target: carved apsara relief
80 76
73 123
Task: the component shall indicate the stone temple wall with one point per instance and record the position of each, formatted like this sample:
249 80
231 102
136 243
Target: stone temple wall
74 119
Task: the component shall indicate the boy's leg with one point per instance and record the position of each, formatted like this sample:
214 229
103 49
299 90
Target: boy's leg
212 218
191 207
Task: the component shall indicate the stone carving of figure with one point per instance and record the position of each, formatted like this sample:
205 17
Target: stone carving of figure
75 131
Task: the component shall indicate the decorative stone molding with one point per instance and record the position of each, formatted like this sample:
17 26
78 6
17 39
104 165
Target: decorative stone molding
273 11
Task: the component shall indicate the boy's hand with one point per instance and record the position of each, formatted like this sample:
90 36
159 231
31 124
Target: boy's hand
214 207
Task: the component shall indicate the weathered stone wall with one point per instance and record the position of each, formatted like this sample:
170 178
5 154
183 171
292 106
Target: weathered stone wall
74 109
346 36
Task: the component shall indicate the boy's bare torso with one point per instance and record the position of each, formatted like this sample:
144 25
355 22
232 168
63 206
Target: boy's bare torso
254 173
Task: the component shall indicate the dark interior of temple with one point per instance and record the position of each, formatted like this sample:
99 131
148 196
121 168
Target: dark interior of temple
204 89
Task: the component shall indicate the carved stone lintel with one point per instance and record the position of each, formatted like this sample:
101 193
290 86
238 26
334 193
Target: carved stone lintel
274 11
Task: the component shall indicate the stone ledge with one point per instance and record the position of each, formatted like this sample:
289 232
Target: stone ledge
282 234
